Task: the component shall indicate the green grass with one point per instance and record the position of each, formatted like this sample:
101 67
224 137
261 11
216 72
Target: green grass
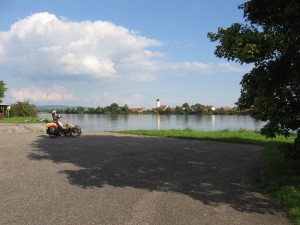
282 178
280 171
19 120
232 136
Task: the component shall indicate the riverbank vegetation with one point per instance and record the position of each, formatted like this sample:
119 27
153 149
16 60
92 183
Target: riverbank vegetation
184 109
23 109
280 162
26 119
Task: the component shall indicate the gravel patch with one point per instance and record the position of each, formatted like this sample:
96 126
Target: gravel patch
27 127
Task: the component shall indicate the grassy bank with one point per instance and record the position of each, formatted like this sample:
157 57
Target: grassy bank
238 136
280 172
18 120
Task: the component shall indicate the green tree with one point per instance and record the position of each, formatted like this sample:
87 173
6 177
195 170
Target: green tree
270 40
186 108
3 89
99 110
160 111
179 110
73 110
125 109
68 110
197 108
23 109
168 111
90 110
107 110
114 108
80 110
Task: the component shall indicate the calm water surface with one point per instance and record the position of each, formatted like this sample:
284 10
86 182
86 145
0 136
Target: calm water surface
164 122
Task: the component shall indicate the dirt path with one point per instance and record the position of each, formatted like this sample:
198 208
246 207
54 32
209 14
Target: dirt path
105 178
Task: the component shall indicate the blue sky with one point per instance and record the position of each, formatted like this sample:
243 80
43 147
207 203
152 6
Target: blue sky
94 52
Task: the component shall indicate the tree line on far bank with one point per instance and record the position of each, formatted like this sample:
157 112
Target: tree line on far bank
185 109
26 109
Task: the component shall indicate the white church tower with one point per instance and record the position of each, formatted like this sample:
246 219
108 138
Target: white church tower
157 103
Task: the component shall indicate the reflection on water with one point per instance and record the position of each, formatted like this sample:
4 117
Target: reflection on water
213 120
95 122
158 122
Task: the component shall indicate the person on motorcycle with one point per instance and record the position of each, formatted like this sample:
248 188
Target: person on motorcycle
54 116
61 124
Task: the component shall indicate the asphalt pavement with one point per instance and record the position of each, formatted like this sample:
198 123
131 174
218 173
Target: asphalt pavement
108 178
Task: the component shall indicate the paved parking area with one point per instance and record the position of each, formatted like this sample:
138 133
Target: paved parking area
106 178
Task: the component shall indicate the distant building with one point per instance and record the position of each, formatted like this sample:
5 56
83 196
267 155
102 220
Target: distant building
4 110
225 108
163 107
209 107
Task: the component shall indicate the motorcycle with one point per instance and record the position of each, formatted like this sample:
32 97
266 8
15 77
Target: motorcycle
57 128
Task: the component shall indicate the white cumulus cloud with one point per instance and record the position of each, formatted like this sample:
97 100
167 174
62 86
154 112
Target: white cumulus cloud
42 45
56 93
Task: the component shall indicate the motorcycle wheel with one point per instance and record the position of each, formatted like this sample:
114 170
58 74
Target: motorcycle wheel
67 134
51 132
75 132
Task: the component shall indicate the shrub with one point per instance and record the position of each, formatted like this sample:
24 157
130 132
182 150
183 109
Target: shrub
23 109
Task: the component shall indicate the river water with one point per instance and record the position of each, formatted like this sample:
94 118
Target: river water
101 122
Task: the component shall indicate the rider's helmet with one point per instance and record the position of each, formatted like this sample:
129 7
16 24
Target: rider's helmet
59 116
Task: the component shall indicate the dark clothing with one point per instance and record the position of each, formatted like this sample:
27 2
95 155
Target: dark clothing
54 116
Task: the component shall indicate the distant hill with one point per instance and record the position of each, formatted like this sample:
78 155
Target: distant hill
51 107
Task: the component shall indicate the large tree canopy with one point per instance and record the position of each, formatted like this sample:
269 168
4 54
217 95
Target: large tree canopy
2 90
270 40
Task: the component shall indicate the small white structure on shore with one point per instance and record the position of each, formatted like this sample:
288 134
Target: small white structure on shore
157 103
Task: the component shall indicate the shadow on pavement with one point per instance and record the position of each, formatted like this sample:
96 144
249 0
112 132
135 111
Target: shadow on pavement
213 173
